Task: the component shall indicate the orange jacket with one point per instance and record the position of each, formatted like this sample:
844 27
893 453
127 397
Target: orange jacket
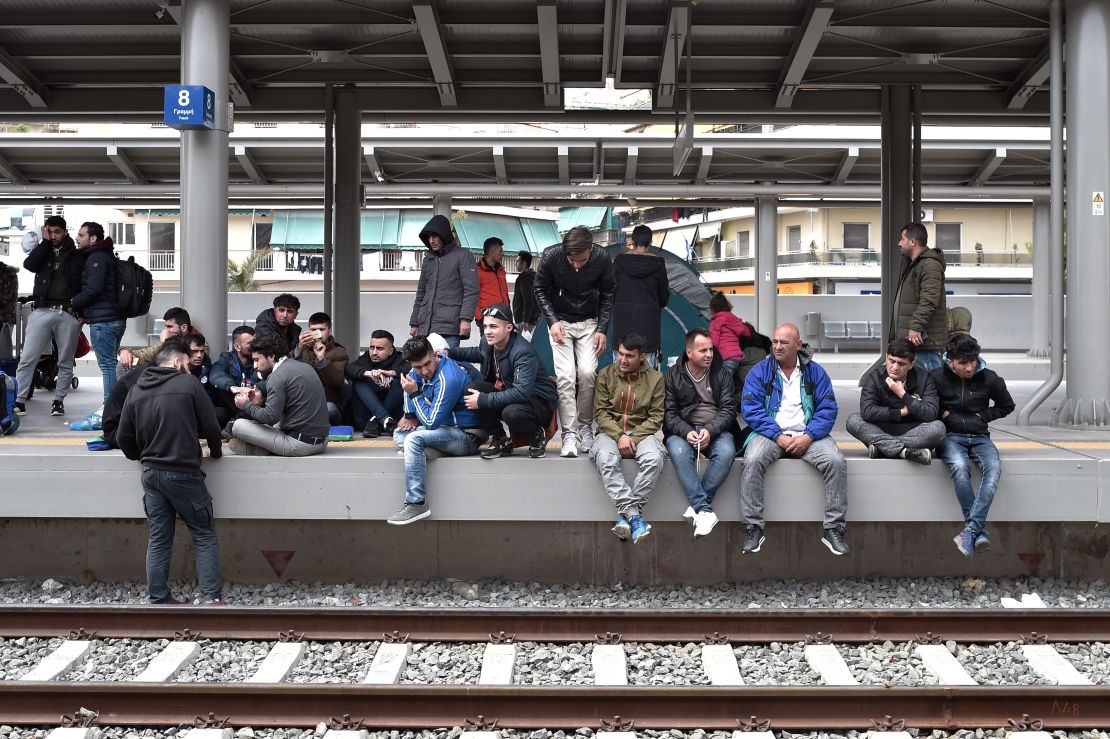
492 287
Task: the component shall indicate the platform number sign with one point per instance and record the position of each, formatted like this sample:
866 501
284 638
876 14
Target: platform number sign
189 107
1098 203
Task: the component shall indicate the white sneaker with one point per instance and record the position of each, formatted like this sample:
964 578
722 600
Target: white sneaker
704 523
586 438
570 446
691 515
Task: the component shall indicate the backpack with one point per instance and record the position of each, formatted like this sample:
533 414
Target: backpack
135 288
756 339
9 390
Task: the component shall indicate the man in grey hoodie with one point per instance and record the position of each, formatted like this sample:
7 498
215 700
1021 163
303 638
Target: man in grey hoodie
447 292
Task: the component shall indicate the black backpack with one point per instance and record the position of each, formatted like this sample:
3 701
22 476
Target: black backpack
756 339
135 288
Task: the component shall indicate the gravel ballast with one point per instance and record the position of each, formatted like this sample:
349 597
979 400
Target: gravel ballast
115 660
778 663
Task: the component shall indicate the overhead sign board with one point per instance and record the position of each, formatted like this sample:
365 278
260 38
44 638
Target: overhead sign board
189 107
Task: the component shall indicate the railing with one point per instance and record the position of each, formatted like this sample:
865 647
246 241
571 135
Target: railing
396 260
865 257
162 261
1007 257
265 263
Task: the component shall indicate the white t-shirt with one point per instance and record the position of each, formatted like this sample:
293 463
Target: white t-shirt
791 417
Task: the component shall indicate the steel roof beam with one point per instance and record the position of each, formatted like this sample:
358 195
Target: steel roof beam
1029 81
548 25
630 165
239 87
12 174
703 165
813 27
846 164
250 166
612 57
22 81
676 29
499 164
125 166
431 32
375 165
988 167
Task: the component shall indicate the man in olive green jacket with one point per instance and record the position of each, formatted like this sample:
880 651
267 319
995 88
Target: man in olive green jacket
920 311
628 406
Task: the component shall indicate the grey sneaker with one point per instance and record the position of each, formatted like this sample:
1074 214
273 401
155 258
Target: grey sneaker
241 448
834 539
753 539
410 513
586 437
921 456
570 446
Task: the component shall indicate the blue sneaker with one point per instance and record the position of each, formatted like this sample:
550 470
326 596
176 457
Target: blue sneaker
965 542
982 542
640 528
621 529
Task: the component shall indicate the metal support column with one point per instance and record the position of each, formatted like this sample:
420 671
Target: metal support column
1056 216
329 191
917 172
1042 306
205 53
897 202
766 262
348 217
441 206
1088 106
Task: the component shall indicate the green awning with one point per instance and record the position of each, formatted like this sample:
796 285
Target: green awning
591 217
540 234
257 212
477 227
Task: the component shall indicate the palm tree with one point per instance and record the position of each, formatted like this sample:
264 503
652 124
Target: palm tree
240 275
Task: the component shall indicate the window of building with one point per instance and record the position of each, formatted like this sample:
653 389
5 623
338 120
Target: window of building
794 238
948 236
857 235
123 234
163 236
262 233
744 244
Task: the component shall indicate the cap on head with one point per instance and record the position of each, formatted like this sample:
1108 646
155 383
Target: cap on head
439 344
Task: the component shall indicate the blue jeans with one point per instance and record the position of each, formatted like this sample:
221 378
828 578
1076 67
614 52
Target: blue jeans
167 495
370 400
958 452
700 493
451 440
105 338
928 359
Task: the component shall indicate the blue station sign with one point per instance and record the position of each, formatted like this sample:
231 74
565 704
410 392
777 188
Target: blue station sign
189 107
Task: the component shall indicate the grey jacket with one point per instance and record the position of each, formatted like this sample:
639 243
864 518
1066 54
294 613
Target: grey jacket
294 398
447 292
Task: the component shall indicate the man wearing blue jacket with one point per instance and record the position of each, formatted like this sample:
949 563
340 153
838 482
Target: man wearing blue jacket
789 403
514 388
436 419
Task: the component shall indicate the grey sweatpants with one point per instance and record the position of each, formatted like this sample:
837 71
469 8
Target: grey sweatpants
922 436
43 326
823 454
629 500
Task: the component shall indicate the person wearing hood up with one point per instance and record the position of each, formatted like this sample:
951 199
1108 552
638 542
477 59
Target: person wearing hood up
920 312
971 396
789 403
641 293
447 293
165 413
96 303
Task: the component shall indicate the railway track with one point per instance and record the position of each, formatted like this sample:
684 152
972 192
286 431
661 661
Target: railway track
556 707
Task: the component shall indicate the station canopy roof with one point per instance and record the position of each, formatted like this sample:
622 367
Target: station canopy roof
752 60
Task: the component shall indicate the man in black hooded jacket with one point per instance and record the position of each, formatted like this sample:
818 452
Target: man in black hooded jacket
447 292
641 294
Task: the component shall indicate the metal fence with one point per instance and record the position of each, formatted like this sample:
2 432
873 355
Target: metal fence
162 261
855 257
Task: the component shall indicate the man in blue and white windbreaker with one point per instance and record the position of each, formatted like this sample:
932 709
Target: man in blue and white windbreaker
788 401
436 418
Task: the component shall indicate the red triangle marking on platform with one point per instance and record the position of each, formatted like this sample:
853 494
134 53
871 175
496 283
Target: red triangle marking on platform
279 559
1032 560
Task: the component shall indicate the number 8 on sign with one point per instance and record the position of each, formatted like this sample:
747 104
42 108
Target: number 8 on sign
183 98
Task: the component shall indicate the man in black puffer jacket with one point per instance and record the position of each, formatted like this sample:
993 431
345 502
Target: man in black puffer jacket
575 287
96 303
641 293
971 396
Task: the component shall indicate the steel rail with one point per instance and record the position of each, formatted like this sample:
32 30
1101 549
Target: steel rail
551 625
404 707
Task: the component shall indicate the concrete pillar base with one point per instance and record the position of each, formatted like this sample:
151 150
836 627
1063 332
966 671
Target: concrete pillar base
1082 412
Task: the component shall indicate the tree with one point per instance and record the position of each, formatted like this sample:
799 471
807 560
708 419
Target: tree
240 275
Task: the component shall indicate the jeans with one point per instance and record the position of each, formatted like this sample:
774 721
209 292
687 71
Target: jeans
43 326
105 338
630 501
922 436
167 495
823 454
958 452
273 440
575 374
928 359
700 493
451 440
371 400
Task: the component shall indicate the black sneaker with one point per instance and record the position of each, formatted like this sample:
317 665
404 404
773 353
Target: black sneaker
873 451
373 429
499 446
389 426
58 408
921 456
753 539
537 445
19 408
834 539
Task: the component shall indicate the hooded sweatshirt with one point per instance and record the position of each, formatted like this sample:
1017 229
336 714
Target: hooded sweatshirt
447 292
267 323
919 304
164 415
974 403
641 294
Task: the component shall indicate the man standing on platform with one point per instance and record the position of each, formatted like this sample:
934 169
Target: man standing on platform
525 308
447 292
920 310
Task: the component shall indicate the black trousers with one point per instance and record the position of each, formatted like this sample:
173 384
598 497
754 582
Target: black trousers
521 418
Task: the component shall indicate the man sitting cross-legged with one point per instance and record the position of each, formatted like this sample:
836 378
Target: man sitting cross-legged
629 402
376 379
898 408
436 419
